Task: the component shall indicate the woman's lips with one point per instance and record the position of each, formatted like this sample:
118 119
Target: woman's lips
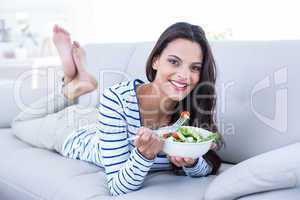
178 86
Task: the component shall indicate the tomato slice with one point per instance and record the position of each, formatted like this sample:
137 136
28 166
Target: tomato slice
166 135
175 135
185 114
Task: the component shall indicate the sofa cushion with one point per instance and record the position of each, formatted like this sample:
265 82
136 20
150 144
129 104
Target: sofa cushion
276 169
32 173
44 174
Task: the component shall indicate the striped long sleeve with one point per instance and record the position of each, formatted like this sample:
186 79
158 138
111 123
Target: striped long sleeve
125 168
201 168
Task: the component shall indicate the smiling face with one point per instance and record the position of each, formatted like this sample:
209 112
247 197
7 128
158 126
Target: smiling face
178 68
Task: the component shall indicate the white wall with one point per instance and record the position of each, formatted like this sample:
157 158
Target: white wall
137 20
40 13
141 20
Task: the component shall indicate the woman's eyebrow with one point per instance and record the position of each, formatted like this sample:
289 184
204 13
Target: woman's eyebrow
200 63
175 57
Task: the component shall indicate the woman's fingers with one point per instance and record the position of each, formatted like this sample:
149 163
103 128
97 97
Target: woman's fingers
213 146
153 145
180 161
189 161
148 142
157 144
143 137
145 142
174 161
137 141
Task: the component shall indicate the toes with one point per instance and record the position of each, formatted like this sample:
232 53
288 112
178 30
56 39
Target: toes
75 48
78 49
76 44
64 31
81 51
59 30
75 52
55 28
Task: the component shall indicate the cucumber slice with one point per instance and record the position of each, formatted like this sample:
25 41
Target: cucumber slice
190 139
181 137
199 138
185 132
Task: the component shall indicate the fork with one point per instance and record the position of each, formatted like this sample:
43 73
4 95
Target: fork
184 116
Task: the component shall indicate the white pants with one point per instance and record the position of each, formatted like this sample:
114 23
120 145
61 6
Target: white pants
49 121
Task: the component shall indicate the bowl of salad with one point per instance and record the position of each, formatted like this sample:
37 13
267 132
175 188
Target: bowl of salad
187 141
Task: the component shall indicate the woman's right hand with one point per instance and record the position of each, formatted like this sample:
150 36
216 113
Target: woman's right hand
148 143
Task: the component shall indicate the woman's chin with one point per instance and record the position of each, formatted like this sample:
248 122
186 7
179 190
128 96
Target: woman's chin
176 97
174 94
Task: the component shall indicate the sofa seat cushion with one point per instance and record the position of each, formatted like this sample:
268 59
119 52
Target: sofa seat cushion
291 194
27 172
42 174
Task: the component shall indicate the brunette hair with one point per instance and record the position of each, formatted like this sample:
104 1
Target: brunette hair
201 101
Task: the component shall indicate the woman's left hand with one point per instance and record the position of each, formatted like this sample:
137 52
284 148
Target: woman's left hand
182 162
214 146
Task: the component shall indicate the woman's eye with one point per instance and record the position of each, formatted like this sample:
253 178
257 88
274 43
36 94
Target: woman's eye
196 68
173 62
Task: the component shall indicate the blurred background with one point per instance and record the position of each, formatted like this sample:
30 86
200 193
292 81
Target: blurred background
26 25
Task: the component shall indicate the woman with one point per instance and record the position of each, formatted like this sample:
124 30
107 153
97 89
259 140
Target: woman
181 73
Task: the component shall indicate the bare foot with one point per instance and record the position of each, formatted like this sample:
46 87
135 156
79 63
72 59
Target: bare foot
76 88
62 41
83 82
79 58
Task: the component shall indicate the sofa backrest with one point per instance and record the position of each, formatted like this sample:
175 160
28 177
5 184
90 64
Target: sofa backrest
258 96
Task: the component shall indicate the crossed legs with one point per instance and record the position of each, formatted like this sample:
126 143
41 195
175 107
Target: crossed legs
48 126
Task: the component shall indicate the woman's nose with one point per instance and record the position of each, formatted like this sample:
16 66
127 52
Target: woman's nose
183 73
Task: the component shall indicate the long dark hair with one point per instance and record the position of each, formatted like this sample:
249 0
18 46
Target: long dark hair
201 101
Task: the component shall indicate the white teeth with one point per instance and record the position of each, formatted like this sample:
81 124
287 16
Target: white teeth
178 84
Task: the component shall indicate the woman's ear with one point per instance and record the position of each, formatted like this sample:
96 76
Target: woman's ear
155 63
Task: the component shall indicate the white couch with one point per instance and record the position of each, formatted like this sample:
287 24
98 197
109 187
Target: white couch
257 111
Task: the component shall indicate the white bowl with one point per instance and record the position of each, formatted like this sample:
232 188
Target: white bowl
190 150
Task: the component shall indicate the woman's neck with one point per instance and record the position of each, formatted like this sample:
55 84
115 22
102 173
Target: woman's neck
155 107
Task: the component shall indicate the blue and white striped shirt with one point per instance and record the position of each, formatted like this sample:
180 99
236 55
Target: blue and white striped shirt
105 143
